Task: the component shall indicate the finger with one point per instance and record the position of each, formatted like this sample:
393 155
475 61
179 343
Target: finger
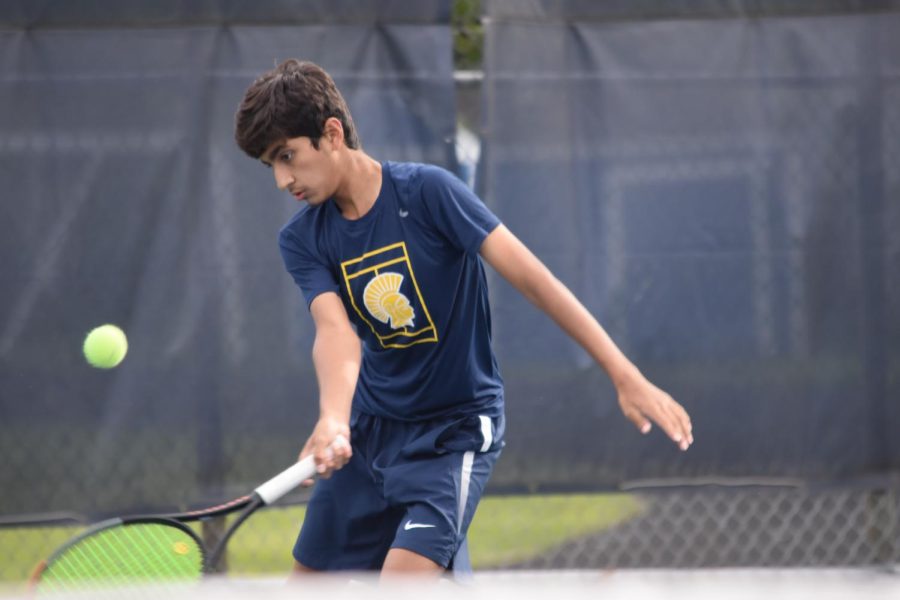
685 427
324 459
332 456
686 423
341 459
342 450
678 422
666 419
639 420
676 430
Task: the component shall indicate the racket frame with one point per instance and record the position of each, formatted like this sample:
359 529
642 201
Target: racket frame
264 495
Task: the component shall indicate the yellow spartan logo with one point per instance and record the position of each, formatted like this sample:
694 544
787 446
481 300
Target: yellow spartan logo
385 302
181 548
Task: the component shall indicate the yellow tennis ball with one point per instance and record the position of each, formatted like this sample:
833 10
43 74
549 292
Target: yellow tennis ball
105 346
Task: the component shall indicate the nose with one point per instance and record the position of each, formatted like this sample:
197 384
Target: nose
283 176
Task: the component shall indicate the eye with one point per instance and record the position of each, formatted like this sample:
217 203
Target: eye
286 156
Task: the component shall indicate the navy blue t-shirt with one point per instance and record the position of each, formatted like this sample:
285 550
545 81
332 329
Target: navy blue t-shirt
414 286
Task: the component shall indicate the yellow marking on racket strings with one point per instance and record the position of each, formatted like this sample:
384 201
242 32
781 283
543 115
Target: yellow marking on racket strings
181 548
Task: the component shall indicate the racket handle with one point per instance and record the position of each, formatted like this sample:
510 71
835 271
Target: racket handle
290 478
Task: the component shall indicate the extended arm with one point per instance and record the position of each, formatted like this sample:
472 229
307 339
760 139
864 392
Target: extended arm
640 400
336 357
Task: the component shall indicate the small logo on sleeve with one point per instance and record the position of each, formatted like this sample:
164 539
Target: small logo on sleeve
410 525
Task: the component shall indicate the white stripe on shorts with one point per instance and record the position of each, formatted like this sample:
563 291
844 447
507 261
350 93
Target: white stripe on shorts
464 477
486 434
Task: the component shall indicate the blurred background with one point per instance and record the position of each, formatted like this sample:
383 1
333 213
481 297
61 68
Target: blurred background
717 180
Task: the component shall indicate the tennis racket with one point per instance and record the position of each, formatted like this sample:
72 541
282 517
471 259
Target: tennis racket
157 550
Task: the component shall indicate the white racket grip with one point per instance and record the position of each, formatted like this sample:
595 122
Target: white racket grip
287 480
290 478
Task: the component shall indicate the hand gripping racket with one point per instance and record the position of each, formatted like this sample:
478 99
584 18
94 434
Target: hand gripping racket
153 550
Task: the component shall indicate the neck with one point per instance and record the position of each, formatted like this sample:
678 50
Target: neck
360 185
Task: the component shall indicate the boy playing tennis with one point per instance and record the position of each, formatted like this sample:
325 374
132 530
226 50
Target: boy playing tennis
389 257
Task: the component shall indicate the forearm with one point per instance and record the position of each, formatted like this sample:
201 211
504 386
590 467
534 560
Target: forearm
551 296
533 279
336 356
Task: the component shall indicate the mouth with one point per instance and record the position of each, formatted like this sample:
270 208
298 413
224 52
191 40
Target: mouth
299 194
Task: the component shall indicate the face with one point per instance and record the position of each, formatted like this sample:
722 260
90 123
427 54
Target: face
307 173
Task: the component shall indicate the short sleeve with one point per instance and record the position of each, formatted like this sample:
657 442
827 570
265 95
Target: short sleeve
455 209
310 271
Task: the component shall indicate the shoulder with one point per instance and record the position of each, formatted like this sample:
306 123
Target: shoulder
421 182
299 227
412 178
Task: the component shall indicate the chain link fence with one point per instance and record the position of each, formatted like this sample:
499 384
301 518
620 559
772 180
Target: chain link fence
743 528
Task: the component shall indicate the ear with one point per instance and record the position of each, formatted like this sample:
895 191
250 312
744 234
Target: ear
333 131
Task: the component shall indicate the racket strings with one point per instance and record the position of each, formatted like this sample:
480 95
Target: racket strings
125 555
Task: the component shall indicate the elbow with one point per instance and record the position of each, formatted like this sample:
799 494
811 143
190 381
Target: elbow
532 292
539 288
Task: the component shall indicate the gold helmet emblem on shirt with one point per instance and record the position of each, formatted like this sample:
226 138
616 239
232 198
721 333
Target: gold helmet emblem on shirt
385 302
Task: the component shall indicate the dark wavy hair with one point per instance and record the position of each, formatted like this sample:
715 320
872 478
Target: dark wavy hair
292 100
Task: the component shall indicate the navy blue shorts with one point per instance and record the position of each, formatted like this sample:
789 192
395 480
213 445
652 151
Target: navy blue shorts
411 485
